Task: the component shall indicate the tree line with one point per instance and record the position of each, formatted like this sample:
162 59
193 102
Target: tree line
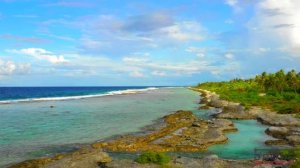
279 81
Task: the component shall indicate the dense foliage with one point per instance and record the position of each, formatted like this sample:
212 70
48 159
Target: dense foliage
153 157
279 91
289 154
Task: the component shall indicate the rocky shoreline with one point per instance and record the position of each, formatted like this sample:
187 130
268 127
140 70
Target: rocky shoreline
284 127
211 161
181 131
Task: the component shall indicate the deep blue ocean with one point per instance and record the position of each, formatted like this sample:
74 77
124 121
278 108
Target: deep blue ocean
13 94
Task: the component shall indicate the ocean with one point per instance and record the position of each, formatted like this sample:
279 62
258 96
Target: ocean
44 121
27 94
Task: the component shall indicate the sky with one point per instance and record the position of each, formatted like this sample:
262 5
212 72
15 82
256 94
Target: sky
145 43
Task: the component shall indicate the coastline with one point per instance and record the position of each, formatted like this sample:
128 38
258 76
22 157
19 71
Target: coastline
188 120
161 128
283 127
83 121
158 125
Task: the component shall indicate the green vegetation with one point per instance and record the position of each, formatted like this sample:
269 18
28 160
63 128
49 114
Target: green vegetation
291 154
153 157
279 91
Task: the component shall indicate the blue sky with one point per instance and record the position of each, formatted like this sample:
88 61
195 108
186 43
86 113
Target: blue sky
133 42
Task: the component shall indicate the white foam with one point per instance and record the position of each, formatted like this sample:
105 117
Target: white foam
111 93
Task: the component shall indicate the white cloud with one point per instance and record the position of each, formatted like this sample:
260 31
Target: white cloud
191 67
229 56
276 24
136 74
89 43
151 30
183 31
135 60
42 54
11 68
200 52
263 50
234 4
159 73
231 2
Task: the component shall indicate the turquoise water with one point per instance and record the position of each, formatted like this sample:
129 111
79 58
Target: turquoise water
30 130
241 144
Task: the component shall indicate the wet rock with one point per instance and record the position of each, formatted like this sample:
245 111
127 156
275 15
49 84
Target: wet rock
235 112
183 131
197 124
211 162
212 157
91 160
204 100
293 140
295 130
85 157
204 107
125 163
278 132
276 142
272 118
233 109
218 103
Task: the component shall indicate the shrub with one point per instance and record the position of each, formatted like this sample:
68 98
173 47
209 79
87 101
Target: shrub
290 153
289 96
296 164
153 157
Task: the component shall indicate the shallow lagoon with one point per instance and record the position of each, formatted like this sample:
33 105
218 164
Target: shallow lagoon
242 143
30 130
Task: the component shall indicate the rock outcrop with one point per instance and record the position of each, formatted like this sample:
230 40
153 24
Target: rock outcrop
83 158
211 162
236 112
183 131
207 162
278 132
293 140
272 118
230 110
285 127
